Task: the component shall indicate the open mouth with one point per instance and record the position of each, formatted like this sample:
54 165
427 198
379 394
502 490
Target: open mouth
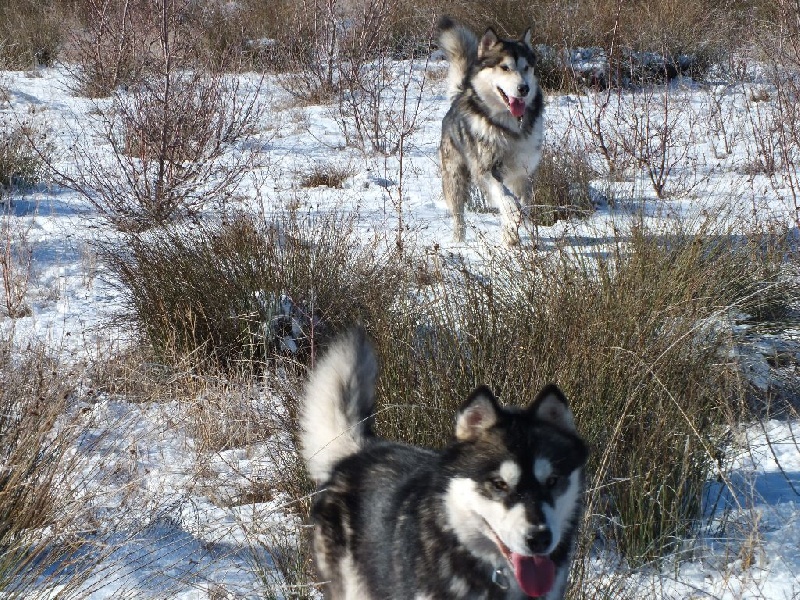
515 105
535 574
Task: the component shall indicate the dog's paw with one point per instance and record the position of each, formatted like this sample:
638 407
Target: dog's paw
459 230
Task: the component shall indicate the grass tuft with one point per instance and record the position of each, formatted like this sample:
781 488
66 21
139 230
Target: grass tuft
251 289
561 186
326 175
37 514
23 154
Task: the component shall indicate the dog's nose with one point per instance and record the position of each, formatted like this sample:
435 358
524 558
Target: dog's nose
539 541
523 89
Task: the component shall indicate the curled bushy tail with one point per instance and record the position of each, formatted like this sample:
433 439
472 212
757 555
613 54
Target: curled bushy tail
336 414
461 47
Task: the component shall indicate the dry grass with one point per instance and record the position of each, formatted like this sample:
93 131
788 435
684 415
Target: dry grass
242 35
635 334
120 43
251 289
16 266
630 333
37 517
31 33
24 151
706 31
113 40
561 186
326 175
231 312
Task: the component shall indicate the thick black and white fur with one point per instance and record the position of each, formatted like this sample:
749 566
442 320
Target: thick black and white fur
492 135
494 512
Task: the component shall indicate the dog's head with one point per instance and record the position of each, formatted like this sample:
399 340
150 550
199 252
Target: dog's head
516 483
504 76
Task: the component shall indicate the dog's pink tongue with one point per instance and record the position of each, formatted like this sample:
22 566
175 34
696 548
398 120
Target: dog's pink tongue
516 106
535 574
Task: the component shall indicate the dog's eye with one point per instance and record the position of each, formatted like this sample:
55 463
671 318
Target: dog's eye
551 482
505 67
500 485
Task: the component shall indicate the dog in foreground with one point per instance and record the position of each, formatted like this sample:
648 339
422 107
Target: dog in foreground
494 515
492 134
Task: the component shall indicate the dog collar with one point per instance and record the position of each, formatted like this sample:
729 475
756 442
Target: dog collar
500 578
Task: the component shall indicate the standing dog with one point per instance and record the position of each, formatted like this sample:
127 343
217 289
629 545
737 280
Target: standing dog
492 134
494 515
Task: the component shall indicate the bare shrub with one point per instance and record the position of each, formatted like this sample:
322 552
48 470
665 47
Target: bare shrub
348 51
24 151
112 43
379 100
647 131
724 129
764 129
594 118
311 53
777 123
379 105
169 139
170 131
654 131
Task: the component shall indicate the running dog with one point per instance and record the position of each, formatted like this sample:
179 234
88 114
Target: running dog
492 135
494 515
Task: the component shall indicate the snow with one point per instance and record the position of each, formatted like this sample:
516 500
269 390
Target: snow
169 512
751 547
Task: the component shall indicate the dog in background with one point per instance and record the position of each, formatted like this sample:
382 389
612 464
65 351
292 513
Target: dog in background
494 515
492 135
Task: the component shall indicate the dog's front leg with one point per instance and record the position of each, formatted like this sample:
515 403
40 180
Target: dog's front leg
508 202
521 186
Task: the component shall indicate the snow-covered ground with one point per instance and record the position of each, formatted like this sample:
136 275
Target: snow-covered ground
166 507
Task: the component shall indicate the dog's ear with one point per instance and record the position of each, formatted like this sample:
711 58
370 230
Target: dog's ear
526 38
550 405
477 414
488 40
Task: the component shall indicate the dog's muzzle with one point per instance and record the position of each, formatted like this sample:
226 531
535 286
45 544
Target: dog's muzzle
535 574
